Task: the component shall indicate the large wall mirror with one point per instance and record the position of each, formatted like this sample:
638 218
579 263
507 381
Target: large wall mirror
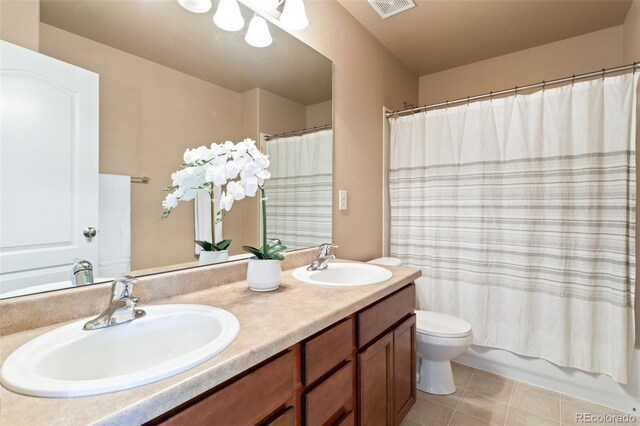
90 138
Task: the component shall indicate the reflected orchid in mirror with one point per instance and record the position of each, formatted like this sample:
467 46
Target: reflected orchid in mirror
240 168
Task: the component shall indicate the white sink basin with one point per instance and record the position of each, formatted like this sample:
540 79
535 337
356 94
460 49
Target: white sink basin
70 361
344 275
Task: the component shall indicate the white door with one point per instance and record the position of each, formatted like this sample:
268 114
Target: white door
48 167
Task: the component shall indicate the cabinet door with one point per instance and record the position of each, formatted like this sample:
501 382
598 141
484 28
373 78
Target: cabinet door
375 381
404 368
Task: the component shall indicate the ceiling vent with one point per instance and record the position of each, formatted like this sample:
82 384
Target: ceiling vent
388 8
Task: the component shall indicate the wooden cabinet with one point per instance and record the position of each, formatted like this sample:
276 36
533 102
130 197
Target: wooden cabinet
249 400
375 383
404 369
387 359
361 370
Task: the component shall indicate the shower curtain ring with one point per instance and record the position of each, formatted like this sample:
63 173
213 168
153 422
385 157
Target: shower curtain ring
491 96
544 85
573 79
516 90
467 100
603 71
635 66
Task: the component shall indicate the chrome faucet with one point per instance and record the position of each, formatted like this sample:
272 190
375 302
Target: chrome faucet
322 259
122 307
82 272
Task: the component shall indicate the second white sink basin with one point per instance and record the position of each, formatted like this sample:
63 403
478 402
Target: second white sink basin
70 362
344 275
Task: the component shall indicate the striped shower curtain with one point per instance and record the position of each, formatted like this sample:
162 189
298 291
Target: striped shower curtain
300 189
521 213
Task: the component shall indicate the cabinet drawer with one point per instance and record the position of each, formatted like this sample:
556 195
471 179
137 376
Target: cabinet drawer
373 321
326 350
285 419
246 401
332 399
349 420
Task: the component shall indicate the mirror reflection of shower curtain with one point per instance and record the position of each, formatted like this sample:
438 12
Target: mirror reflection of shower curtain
300 189
521 214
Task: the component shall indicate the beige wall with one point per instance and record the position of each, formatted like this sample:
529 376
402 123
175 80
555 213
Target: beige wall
631 40
366 77
319 114
589 52
20 22
149 114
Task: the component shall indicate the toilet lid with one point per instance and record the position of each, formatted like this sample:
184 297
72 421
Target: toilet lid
437 324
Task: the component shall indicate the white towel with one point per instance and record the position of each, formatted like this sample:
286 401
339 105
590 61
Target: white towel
202 210
114 242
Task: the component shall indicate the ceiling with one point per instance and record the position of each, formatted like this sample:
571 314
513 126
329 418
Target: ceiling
163 32
442 34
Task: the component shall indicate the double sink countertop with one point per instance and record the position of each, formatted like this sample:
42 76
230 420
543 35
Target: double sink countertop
269 323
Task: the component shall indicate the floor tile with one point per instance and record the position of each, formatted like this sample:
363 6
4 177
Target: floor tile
536 403
497 390
518 417
483 408
460 419
450 401
626 418
496 377
407 422
429 413
462 366
573 407
461 377
521 386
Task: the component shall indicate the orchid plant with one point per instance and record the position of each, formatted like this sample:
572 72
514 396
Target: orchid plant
240 168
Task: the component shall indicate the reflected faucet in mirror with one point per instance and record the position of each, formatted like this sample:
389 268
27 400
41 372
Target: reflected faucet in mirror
122 307
322 259
82 272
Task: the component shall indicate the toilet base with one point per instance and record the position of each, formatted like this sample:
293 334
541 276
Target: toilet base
435 377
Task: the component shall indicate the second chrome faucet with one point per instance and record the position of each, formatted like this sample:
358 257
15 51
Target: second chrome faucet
322 259
122 307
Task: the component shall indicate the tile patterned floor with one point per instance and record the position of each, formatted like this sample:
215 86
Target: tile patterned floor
483 398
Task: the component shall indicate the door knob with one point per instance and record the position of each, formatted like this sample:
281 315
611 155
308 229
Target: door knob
89 232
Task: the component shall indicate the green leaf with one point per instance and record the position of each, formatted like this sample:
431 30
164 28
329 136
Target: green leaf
222 245
277 256
256 252
276 249
206 245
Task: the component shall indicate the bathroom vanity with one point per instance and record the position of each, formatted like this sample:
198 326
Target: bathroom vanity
305 354
360 369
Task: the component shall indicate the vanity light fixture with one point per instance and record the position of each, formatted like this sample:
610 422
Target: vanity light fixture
294 16
228 16
196 6
258 34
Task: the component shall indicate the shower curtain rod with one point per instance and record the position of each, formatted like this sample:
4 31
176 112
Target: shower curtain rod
490 95
299 132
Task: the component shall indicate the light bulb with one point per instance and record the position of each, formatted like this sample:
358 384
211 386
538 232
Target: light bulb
228 16
294 16
258 33
196 6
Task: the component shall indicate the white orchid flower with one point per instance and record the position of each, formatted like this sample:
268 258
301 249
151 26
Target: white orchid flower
235 190
170 202
250 186
216 175
226 201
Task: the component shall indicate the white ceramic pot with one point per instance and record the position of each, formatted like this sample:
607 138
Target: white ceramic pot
263 275
211 257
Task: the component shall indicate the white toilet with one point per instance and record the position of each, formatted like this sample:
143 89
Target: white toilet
439 339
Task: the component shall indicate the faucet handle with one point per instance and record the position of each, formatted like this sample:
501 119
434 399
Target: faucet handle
324 248
122 288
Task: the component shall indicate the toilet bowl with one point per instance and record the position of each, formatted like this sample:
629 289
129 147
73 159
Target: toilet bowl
439 339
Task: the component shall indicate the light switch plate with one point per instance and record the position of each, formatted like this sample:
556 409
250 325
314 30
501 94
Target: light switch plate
342 200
